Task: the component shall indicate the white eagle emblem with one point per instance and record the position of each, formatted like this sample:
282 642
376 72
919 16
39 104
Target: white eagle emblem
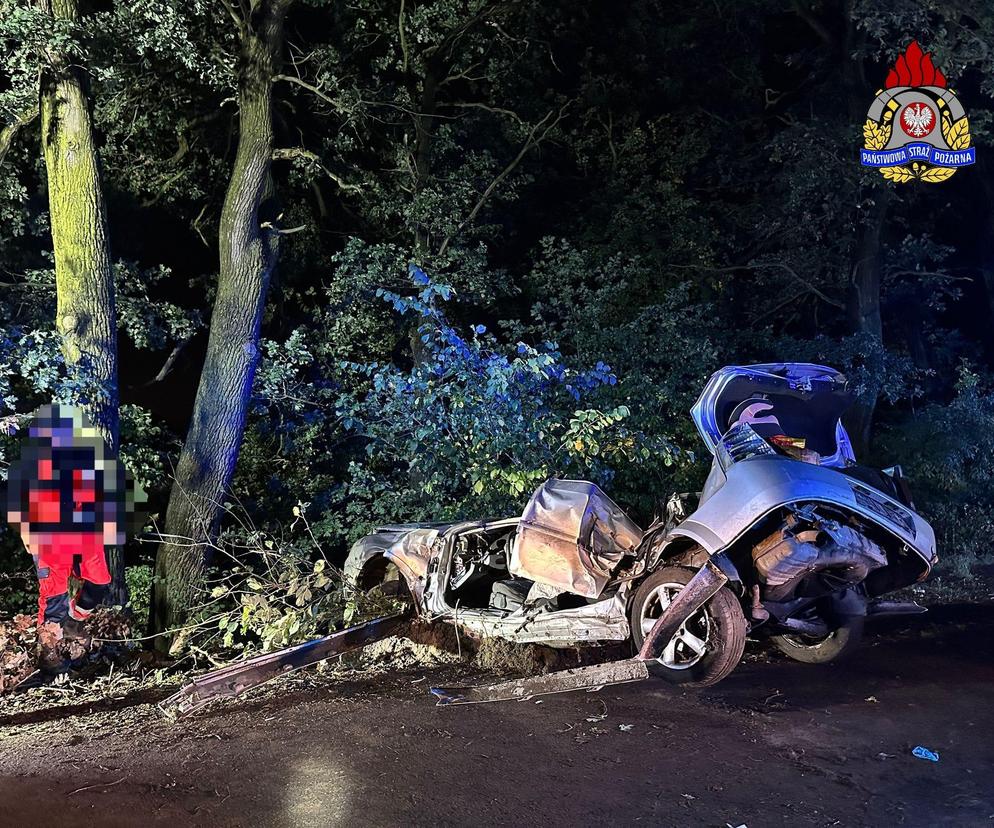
918 119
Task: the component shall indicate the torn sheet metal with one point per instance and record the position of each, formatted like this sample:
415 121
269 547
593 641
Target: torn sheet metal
588 678
601 621
698 591
572 536
237 678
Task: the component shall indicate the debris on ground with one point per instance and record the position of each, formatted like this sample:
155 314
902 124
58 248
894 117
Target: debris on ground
103 638
423 645
18 650
925 753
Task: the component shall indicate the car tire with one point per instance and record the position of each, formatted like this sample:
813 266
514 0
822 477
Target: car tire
838 644
720 625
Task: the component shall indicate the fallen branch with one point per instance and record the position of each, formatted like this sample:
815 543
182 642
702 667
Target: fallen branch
97 785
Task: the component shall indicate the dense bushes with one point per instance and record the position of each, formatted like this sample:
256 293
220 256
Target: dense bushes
467 426
947 450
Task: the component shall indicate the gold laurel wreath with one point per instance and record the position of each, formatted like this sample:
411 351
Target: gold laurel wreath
956 135
875 136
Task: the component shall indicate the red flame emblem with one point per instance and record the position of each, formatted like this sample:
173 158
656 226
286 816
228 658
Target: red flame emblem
915 68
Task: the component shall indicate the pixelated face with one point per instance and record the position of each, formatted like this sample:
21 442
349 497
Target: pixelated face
63 426
66 488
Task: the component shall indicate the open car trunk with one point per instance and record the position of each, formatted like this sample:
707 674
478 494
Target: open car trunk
572 537
793 399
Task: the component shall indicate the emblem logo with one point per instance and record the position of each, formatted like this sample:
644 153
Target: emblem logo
916 97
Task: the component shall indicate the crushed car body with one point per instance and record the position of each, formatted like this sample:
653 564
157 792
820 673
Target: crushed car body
552 575
790 539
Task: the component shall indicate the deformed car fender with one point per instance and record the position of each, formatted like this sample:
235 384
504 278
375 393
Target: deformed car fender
408 546
756 487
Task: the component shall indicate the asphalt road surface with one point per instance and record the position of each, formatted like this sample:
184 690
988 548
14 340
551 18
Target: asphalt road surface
777 744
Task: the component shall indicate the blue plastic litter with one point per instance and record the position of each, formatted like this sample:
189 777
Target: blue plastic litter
925 753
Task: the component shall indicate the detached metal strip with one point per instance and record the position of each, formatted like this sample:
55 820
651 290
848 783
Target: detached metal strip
580 678
237 678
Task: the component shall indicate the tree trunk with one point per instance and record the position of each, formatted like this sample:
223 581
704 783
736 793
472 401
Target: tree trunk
863 306
85 312
248 254
863 294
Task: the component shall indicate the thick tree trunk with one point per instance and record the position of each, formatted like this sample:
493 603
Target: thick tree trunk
248 251
863 295
863 306
85 311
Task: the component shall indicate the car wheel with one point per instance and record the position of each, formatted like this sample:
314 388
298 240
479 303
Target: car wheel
707 647
840 643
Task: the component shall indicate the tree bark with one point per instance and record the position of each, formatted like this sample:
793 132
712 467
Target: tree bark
864 288
863 308
86 317
248 255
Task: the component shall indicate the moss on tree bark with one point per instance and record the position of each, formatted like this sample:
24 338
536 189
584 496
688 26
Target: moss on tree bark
85 314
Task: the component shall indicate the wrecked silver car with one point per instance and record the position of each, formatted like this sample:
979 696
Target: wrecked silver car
790 539
559 574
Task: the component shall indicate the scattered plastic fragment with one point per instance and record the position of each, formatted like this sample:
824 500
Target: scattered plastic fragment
625 727
925 753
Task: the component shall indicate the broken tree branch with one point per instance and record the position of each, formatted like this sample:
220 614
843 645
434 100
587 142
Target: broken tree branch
290 153
314 90
497 110
170 362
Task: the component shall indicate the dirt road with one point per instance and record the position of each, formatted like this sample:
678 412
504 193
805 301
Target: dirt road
777 744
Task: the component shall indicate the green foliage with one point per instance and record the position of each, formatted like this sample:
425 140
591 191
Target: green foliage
271 590
470 427
947 451
139 581
662 191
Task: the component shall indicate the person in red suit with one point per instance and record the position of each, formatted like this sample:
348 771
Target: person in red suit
68 497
